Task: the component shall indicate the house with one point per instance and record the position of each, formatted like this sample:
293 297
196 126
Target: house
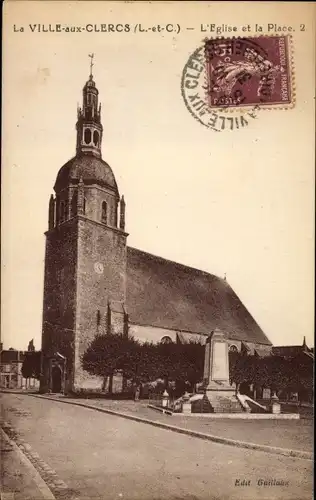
11 377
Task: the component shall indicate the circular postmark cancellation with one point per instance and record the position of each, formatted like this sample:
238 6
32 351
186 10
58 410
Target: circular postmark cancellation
227 80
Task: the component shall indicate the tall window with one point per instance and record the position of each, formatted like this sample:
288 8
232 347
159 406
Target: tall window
104 213
84 205
95 138
87 136
74 203
62 211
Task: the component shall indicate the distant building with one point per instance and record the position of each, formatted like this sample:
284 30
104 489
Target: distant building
303 361
292 351
10 368
11 377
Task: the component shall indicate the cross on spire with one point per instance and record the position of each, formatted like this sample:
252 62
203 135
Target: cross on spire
91 62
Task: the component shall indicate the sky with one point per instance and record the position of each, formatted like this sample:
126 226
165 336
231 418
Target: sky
238 202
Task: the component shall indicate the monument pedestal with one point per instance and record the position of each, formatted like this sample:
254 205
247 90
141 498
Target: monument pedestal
219 392
224 401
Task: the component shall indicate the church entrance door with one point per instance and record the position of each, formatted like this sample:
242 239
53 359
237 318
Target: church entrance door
56 378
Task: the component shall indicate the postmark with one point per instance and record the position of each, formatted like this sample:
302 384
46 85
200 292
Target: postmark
194 92
243 72
222 97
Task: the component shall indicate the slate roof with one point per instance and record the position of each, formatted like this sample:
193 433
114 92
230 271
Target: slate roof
290 351
11 356
92 170
166 294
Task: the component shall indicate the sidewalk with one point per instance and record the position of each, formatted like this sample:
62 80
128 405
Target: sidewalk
289 434
19 479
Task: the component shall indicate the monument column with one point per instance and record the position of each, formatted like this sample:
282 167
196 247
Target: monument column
219 392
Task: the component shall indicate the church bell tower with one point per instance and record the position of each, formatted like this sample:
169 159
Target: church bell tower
89 127
85 258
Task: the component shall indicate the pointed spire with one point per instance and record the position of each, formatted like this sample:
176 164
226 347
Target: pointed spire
89 127
304 343
91 65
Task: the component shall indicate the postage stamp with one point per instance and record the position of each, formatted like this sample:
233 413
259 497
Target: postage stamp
194 93
252 71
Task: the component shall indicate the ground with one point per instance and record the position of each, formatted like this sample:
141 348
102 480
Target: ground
99 456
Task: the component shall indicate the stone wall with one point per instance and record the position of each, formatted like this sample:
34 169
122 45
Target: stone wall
94 196
59 307
97 244
152 334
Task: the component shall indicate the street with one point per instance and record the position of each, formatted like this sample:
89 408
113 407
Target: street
100 456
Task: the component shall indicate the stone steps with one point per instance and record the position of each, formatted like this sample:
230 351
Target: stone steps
223 405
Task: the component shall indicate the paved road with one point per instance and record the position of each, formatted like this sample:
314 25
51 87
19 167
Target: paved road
18 475
292 434
106 457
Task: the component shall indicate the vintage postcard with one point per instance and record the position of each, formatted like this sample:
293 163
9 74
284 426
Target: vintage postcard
158 208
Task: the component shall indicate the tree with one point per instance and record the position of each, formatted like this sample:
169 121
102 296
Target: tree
141 363
107 354
242 368
31 367
179 363
167 360
278 372
301 378
192 362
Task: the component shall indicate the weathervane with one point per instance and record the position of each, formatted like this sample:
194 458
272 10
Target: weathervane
91 62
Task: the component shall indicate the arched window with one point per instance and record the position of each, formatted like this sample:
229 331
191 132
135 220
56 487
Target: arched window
233 348
95 138
87 135
104 213
166 340
84 205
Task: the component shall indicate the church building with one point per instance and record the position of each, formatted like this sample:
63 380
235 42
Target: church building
95 283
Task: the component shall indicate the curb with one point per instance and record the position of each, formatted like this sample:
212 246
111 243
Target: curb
40 483
235 416
208 437
45 477
18 391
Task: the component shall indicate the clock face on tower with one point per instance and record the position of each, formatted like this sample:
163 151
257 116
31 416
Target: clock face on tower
98 267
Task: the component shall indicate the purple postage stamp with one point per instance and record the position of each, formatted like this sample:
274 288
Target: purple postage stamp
249 71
